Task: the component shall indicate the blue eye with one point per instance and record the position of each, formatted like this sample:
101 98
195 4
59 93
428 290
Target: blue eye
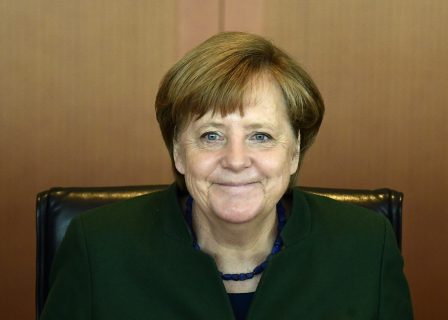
211 136
261 137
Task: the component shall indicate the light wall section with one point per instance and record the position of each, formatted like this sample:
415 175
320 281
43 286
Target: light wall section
382 69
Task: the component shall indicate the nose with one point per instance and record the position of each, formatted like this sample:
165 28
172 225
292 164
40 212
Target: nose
236 156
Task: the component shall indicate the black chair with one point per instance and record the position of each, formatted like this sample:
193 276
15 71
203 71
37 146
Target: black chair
57 207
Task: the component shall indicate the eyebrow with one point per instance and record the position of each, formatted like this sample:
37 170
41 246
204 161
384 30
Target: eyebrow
261 125
252 126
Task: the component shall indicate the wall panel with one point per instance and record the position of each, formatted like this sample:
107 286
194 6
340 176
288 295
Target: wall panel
197 21
77 85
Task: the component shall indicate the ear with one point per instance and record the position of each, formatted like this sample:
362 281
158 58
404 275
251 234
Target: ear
296 156
178 157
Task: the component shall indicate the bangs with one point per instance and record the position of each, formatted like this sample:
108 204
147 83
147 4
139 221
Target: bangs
219 92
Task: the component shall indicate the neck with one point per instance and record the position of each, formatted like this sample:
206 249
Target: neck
236 247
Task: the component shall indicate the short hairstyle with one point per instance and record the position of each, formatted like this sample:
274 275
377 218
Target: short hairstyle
214 76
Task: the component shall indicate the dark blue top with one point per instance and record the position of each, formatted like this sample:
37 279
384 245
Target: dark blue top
240 304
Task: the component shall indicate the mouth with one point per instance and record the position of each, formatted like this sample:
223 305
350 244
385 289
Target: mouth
236 186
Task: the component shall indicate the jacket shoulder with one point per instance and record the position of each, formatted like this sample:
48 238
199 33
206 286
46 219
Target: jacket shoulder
131 216
330 216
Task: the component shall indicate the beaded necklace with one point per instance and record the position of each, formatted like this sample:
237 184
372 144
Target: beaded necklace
278 243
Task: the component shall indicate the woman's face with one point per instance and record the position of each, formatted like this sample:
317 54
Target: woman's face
238 167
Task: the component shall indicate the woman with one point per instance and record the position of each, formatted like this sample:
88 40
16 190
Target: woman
232 238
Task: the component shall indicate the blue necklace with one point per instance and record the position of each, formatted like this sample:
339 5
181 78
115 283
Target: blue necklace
277 247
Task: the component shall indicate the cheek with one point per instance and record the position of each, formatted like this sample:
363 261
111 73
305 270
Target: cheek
200 165
275 165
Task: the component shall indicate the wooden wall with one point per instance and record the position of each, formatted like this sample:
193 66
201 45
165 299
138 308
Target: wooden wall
78 80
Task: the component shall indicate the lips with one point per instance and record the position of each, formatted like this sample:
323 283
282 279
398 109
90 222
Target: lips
234 187
235 184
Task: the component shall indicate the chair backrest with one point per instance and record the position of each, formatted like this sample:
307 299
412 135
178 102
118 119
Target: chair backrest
57 207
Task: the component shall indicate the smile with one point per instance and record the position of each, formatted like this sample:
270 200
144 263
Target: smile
237 186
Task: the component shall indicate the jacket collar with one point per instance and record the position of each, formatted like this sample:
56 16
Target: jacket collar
298 225
173 221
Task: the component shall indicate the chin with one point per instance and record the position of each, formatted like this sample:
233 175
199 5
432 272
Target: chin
237 208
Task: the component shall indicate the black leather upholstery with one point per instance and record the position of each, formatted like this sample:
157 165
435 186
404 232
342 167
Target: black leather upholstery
56 207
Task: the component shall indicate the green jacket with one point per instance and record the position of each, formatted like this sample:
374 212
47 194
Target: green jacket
135 260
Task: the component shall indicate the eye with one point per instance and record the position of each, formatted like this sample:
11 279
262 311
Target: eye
211 136
261 137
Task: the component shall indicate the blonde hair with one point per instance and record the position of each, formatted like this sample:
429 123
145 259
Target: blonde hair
213 77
